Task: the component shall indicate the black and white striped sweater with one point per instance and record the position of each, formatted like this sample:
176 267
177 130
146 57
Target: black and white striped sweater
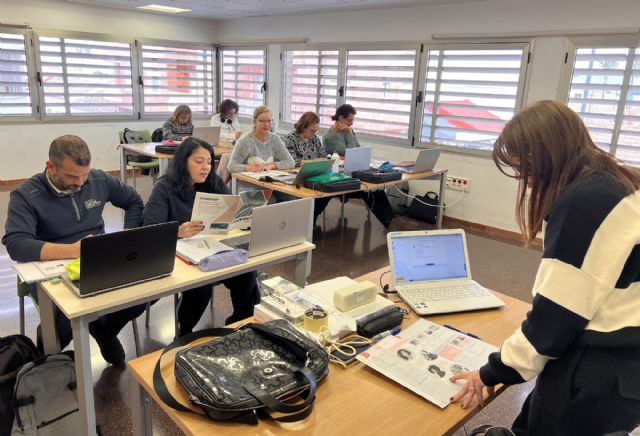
587 289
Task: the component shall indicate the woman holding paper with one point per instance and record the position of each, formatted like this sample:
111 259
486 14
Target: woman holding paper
582 336
172 199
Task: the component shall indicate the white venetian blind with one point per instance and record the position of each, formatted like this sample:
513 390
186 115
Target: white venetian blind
172 76
470 94
244 79
605 92
310 84
14 80
84 77
379 84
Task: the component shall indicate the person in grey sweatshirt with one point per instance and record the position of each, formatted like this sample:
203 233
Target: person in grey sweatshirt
51 212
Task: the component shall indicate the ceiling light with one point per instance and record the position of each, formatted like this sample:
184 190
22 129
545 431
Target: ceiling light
160 8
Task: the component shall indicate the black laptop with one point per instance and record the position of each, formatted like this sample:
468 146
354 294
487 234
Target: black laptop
118 259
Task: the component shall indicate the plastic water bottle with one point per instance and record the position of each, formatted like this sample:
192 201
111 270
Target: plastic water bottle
330 169
336 162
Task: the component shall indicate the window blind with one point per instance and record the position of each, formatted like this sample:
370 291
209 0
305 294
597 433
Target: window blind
244 78
14 80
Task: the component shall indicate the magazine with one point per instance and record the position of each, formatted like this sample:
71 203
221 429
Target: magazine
197 248
424 356
221 213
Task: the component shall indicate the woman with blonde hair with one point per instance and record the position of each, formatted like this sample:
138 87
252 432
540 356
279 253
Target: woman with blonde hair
582 336
260 149
179 126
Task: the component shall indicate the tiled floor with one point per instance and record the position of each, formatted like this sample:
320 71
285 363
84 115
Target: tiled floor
352 250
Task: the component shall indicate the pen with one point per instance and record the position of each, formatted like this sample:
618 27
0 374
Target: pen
206 243
379 336
461 331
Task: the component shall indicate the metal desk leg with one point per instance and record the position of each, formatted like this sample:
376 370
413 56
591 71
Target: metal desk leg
234 185
50 339
84 378
301 274
123 164
443 185
141 414
163 164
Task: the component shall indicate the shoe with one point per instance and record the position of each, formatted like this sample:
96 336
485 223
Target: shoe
402 223
110 346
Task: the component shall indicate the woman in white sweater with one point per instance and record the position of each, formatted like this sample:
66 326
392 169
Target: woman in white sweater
227 120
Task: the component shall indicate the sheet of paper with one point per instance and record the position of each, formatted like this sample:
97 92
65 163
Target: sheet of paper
31 272
196 248
216 211
424 356
276 174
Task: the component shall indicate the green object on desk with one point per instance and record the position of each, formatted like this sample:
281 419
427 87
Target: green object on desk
328 178
73 269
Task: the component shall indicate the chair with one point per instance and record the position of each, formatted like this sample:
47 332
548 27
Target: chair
29 290
153 166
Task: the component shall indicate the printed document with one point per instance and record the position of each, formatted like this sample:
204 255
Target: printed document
221 213
424 356
197 248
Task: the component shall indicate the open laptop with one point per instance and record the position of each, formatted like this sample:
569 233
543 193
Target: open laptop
209 134
308 169
357 159
430 270
114 260
426 161
279 225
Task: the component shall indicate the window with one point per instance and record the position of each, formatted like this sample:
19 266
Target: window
470 94
605 92
244 78
15 99
379 84
172 76
310 84
85 77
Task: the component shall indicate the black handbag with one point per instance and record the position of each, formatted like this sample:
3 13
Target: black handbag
270 367
425 208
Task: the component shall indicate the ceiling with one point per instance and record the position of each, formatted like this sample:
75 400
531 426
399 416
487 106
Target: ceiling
225 9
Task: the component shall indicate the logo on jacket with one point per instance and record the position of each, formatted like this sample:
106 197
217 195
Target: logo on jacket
91 203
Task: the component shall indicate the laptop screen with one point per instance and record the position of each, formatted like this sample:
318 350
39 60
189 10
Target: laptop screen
424 257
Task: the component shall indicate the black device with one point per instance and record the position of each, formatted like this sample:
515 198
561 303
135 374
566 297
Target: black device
376 175
341 185
226 120
347 358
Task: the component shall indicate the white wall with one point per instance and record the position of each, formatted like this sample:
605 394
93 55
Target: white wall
491 197
25 146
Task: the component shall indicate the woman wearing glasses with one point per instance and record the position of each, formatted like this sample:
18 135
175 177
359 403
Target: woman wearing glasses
227 120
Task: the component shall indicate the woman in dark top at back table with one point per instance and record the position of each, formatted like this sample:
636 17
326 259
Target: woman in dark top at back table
172 200
179 126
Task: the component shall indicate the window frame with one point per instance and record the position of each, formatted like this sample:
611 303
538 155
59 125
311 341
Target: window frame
219 61
524 72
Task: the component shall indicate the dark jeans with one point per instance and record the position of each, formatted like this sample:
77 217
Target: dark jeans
377 201
193 303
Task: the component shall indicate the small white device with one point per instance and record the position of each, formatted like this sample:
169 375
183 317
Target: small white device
355 296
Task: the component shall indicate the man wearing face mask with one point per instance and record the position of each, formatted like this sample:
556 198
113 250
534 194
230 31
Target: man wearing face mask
52 211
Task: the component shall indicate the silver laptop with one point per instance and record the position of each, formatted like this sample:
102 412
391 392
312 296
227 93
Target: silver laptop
209 134
308 169
357 159
430 270
118 259
279 226
426 161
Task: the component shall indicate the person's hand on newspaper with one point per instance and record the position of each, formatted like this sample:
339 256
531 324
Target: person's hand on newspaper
472 390
190 229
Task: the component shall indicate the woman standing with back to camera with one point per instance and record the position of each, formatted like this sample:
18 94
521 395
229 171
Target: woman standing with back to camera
582 335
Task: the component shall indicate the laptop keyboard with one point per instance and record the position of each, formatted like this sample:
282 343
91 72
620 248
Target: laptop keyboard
420 296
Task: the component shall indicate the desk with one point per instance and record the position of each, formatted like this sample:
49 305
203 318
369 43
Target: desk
149 149
303 192
81 311
355 400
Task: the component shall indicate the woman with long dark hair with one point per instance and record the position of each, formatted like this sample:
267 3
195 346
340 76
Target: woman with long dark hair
582 335
172 200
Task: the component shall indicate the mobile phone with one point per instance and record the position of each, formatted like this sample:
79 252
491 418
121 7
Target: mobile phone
346 358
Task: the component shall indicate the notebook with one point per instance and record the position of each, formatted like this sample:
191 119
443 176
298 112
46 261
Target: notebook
209 134
279 226
426 161
115 260
430 270
357 159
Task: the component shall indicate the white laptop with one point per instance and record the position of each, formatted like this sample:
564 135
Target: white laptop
357 159
279 225
430 270
209 134
426 161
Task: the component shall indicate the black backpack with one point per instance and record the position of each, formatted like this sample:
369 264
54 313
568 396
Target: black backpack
425 208
156 136
134 137
15 351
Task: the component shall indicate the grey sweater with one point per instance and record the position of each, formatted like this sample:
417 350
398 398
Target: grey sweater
248 150
337 141
38 214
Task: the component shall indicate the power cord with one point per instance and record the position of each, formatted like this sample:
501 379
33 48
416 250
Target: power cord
385 288
441 206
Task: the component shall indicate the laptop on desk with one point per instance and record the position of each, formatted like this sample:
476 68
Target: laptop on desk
430 270
308 169
426 161
115 260
357 159
209 134
279 225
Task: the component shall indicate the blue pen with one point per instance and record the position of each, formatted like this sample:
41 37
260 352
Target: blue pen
461 331
379 336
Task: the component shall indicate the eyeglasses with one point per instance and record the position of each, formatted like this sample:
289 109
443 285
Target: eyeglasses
265 121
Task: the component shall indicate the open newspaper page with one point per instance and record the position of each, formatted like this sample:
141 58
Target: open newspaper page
424 356
216 211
